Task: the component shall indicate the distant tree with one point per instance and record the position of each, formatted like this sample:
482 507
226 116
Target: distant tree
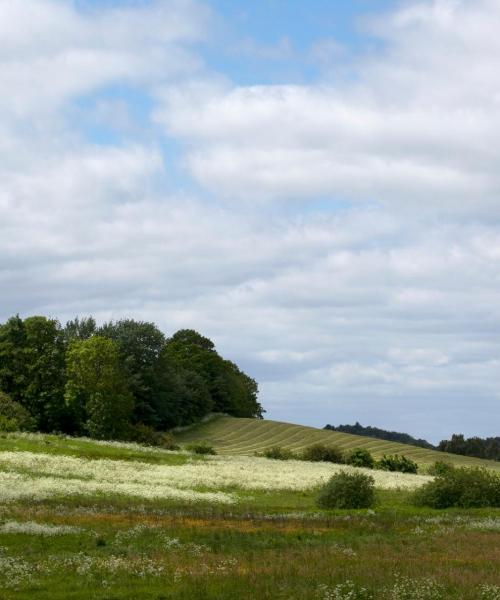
475 446
96 388
382 434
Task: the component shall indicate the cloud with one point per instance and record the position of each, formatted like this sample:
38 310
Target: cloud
419 126
51 52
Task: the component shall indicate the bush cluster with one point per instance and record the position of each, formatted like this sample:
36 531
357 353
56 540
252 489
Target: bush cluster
360 457
13 416
144 434
346 490
440 467
278 453
201 448
322 453
463 487
396 463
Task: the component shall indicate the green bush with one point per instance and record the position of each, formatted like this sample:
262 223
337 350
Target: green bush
346 490
440 467
464 488
396 463
201 448
144 434
13 416
322 453
278 453
360 457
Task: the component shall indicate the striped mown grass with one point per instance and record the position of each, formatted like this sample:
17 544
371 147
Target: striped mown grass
230 435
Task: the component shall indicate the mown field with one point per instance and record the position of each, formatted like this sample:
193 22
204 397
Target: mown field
81 519
247 436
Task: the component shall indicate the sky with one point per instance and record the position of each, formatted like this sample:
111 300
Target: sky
314 186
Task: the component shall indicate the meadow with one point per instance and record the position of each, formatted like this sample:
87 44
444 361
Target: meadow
83 519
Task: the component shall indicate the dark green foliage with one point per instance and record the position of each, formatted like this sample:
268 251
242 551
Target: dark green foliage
97 390
346 490
322 453
168 383
360 457
440 467
278 453
231 391
79 329
463 487
382 434
201 448
13 363
140 345
475 446
143 434
32 368
13 416
395 462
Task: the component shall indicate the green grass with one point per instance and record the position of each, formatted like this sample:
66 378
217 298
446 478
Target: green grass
68 446
269 545
229 435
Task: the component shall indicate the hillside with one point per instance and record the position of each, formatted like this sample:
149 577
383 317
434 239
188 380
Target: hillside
230 435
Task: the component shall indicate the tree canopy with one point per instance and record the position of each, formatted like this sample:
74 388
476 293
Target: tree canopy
106 380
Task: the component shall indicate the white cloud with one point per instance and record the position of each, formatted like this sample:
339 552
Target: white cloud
51 52
419 126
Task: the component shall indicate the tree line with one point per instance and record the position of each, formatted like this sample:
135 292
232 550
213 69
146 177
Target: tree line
477 447
114 380
382 434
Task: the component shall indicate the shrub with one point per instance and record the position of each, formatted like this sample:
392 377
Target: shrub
7 425
13 416
322 453
360 457
144 434
278 453
201 448
464 488
396 463
440 467
346 490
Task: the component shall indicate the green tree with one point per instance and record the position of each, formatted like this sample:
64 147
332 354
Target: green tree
96 388
231 390
45 358
32 368
13 363
13 416
140 345
79 329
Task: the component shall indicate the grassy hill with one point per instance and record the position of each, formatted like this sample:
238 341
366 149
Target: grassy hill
230 435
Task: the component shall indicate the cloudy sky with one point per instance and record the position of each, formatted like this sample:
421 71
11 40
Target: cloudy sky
313 185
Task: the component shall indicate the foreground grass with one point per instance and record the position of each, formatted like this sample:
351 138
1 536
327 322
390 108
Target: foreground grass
267 543
151 552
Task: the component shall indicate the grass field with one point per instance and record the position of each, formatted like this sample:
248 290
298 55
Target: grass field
247 436
81 519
